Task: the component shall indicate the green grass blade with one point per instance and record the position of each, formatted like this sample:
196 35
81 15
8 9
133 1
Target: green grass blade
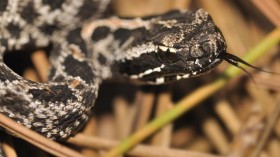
195 97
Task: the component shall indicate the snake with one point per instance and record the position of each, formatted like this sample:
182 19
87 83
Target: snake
88 47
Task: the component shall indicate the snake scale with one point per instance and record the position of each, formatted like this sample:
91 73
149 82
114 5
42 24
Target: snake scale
87 49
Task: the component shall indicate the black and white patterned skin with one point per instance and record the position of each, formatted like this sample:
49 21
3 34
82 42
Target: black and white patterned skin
87 50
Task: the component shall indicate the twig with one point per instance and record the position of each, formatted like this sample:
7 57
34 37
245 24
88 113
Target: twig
272 119
31 74
140 150
8 148
163 137
41 63
228 116
145 109
89 130
121 107
271 82
270 9
216 135
36 139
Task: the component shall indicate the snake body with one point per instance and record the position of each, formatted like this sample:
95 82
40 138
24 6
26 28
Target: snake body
87 50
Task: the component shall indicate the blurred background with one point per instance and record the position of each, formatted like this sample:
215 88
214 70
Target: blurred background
231 122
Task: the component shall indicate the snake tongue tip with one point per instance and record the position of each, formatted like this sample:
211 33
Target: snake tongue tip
234 60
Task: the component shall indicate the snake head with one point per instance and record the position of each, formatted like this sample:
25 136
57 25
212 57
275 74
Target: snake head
176 45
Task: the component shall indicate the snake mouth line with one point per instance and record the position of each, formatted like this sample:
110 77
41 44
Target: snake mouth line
178 76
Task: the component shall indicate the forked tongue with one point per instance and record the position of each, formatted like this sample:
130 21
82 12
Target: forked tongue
234 60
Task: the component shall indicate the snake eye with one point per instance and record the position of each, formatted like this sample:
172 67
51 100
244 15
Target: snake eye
168 57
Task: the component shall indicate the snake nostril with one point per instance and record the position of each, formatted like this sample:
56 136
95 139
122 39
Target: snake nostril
197 51
206 47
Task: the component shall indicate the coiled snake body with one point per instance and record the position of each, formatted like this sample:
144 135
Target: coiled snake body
86 51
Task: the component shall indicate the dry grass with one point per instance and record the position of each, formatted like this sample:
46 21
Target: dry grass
240 120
